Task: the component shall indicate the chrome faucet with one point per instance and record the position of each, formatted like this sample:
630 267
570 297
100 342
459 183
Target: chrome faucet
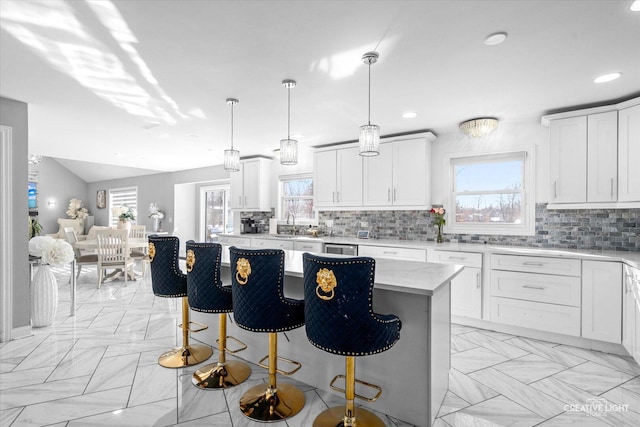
291 214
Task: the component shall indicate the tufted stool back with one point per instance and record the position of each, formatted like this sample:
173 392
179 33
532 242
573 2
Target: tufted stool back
259 304
166 278
204 286
339 315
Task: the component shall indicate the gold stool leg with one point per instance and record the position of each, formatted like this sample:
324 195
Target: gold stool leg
222 374
187 355
275 402
348 415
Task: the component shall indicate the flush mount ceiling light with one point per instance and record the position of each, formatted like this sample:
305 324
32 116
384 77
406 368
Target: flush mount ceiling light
635 6
607 77
231 156
369 134
477 128
495 38
288 147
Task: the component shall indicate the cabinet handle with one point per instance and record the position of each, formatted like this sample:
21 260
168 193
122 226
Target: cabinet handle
534 264
540 288
611 187
390 252
459 258
555 190
245 201
338 196
388 195
478 280
240 200
394 194
333 196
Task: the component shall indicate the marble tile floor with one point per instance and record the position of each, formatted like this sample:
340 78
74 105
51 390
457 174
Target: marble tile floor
99 368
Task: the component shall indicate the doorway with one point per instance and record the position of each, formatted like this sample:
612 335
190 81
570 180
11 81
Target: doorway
215 212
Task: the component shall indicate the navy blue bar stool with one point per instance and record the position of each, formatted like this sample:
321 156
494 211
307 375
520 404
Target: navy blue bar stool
207 295
168 281
339 319
259 305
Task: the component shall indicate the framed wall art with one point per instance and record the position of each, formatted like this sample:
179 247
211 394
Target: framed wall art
101 199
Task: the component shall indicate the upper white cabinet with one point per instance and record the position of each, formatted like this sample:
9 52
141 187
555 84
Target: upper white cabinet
399 176
250 186
629 154
337 178
593 156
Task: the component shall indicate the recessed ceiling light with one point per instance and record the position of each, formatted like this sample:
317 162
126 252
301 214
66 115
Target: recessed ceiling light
635 6
607 77
409 115
495 38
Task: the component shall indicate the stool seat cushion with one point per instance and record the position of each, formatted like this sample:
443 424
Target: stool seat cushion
204 285
259 303
166 278
339 315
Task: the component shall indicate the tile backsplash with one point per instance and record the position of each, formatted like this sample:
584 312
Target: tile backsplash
594 229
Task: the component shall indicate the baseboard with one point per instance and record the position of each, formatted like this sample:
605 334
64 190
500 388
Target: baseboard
21 332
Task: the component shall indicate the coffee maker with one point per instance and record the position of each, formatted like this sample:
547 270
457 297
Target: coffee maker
248 226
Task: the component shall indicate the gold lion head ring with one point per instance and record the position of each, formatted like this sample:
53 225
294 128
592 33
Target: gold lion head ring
243 270
326 281
152 251
191 260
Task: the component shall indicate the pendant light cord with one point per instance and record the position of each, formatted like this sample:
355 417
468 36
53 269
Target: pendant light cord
369 113
232 126
289 113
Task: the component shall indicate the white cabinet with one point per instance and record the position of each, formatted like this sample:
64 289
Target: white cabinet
466 287
540 293
602 157
303 245
337 178
284 244
250 186
629 154
399 176
391 252
568 160
631 313
602 301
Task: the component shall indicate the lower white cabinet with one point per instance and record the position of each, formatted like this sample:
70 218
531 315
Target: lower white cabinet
560 319
390 252
631 312
466 287
308 246
284 244
602 301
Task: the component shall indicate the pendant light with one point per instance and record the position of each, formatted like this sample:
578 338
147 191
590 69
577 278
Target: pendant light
231 156
288 147
369 134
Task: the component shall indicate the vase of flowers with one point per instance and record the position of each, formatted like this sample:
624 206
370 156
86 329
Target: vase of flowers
156 214
75 209
44 286
438 214
125 215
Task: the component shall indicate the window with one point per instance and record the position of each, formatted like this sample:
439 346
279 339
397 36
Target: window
122 197
215 215
296 197
491 195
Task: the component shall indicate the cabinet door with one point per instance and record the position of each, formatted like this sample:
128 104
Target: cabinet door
628 312
252 185
349 177
568 160
410 172
466 293
325 174
602 157
378 177
602 301
236 191
629 154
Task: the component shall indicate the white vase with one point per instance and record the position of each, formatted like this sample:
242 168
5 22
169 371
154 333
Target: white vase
124 225
44 297
156 224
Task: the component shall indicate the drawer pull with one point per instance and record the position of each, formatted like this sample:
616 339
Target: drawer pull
540 288
477 280
390 252
534 264
459 258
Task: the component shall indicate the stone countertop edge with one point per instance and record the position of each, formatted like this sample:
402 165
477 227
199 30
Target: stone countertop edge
627 257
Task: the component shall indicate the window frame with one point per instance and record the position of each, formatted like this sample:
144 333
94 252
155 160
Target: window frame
527 227
113 220
280 215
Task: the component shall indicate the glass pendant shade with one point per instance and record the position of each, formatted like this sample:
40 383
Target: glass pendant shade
369 140
288 152
231 160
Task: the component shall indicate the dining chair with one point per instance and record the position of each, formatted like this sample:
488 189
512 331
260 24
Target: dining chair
113 253
142 254
81 259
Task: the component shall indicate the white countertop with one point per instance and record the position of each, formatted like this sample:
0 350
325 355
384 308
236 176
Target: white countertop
420 278
630 258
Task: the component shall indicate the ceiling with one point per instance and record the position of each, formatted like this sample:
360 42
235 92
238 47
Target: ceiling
142 85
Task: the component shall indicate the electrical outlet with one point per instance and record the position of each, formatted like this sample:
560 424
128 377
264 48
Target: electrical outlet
329 223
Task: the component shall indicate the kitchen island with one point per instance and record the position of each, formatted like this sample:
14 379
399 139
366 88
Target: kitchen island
413 374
